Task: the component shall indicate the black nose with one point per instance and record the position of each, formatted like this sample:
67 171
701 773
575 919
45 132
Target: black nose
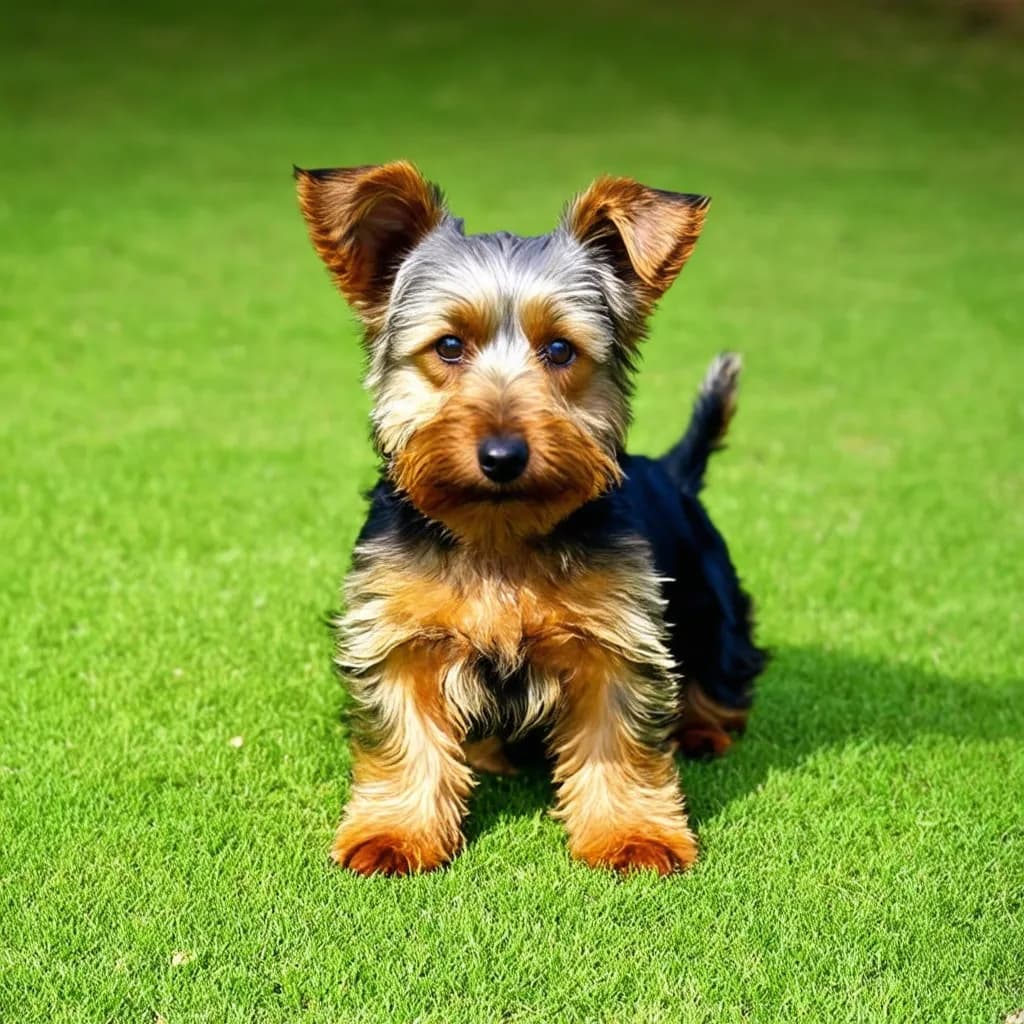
502 459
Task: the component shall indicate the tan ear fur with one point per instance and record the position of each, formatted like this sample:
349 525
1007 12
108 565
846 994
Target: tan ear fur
363 221
647 233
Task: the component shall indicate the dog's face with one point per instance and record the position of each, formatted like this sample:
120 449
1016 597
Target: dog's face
499 365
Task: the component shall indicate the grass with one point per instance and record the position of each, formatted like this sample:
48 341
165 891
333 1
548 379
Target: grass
184 446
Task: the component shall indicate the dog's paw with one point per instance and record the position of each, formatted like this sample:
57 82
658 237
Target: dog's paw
386 853
703 742
635 852
706 728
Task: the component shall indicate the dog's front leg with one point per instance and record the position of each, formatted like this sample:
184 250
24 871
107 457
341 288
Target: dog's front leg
410 782
618 790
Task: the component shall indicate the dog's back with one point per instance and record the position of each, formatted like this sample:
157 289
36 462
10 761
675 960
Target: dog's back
708 613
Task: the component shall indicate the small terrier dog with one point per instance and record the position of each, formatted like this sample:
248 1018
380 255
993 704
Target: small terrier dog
519 571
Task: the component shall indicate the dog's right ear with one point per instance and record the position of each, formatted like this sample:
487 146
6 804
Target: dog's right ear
363 221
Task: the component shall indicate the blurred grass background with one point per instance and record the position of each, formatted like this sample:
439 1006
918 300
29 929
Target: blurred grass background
184 446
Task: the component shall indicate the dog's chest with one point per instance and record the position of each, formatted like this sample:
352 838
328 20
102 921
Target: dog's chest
533 614
498 612
505 619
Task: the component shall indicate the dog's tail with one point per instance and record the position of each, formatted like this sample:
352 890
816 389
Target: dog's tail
714 408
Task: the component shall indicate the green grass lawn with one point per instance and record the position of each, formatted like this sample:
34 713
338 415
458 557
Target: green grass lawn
184 446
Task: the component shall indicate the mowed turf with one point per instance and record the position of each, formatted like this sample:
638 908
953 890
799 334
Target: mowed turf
184 447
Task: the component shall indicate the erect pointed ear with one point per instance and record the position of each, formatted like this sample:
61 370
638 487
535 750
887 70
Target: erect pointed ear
363 221
645 233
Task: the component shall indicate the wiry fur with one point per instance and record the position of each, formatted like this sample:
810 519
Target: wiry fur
584 596
687 461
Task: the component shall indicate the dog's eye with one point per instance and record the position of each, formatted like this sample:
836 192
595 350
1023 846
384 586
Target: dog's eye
559 352
449 348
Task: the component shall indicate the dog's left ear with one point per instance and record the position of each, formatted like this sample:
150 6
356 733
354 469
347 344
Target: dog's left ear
645 233
363 221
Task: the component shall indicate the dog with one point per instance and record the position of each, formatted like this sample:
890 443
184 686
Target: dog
518 571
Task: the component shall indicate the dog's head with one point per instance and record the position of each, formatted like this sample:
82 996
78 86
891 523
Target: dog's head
500 366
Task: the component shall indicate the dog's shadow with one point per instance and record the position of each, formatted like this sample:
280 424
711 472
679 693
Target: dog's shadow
810 699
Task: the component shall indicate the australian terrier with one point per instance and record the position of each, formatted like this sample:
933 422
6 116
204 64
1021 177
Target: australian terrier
519 572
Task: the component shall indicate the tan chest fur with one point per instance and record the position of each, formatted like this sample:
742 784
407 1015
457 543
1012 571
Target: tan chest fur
530 611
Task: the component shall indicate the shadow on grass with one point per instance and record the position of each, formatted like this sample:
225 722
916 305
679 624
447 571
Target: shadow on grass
813 699
809 700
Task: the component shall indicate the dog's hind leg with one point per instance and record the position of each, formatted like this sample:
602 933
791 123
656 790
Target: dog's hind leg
712 639
706 727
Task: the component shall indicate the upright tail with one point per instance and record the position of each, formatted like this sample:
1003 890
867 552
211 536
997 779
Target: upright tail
687 461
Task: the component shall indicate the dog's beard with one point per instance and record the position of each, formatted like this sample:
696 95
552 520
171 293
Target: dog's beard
447 486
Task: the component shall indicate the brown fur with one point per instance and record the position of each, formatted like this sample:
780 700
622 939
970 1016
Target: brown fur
651 232
473 322
438 467
361 221
489 755
508 610
705 726
581 632
618 793
410 785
